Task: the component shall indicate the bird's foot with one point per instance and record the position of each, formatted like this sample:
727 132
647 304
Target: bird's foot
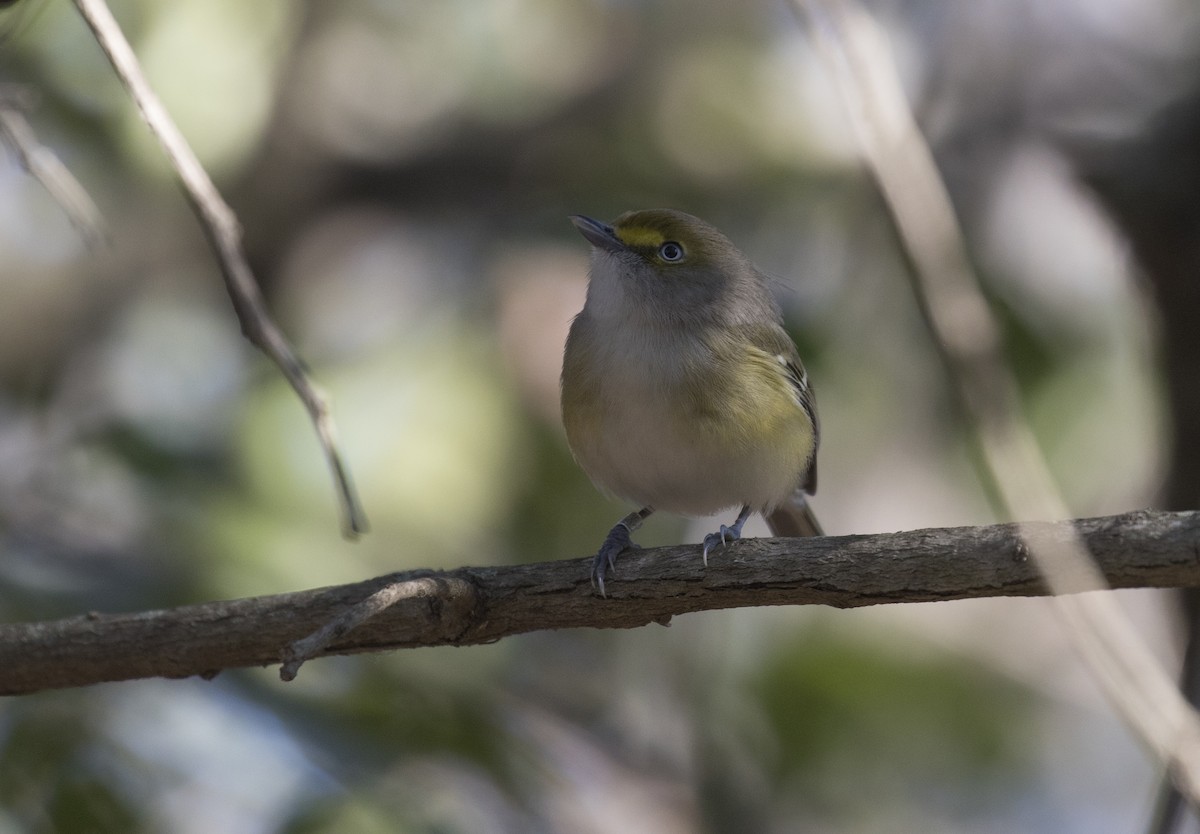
727 534
615 543
719 539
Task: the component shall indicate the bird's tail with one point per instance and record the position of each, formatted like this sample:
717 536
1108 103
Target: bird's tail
794 518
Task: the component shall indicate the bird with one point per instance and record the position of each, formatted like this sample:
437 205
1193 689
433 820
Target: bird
681 390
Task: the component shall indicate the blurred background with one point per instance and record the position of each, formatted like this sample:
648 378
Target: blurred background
403 172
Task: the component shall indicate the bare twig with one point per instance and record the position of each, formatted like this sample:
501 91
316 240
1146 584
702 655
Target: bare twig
351 618
967 337
481 605
44 166
224 232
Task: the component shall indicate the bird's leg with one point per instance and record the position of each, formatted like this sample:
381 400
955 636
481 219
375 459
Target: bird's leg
616 542
726 534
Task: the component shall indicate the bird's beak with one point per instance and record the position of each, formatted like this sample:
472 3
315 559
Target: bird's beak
598 234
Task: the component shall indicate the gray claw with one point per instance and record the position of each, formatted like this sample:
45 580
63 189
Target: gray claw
723 537
616 542
726 534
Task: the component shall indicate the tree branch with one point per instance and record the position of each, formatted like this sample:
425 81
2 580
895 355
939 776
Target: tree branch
224 232
44 166
481 605
968 339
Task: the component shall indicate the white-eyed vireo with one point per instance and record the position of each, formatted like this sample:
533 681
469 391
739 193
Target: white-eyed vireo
681 391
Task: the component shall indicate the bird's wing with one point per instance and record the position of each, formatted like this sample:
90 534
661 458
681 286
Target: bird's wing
775 341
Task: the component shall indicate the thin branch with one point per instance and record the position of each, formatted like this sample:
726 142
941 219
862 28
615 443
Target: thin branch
315 644
44 166
224 232
858 56
481 605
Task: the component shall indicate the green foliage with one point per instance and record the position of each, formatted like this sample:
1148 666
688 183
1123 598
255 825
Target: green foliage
55 774
838 707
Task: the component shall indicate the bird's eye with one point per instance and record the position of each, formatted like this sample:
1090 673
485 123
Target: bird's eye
671 252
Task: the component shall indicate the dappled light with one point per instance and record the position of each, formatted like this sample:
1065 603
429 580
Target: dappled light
403 173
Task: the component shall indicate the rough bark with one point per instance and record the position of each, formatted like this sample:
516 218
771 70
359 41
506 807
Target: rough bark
484 604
